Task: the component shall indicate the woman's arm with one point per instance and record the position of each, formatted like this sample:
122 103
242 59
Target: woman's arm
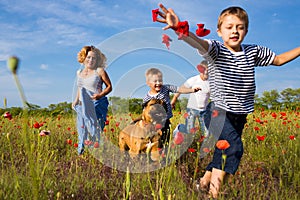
108 86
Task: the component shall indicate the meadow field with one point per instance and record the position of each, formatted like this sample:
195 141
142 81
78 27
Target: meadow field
34 166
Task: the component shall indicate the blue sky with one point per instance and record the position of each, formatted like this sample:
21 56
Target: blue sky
46 36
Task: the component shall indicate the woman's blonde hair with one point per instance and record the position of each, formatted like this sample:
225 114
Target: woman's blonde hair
101 58
236 11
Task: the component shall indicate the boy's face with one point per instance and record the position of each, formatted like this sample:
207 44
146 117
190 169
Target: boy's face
155 82
233 31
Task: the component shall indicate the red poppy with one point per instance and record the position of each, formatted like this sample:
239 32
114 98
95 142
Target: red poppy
202 138
117 124
283 114
201 31
193 130
274 115
96 145
183 29
206 150
179 138
36 125
260 137
158 126
106 122
88 142
75 145
155 14
112 130
215 113
292 137
257 120
166 40
185 115
69 141
201 68
222 144
191 150
7 115
256 128
69 128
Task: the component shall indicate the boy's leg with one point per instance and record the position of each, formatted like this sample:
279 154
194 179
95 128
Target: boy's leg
190 120
205 180
165 134
217 177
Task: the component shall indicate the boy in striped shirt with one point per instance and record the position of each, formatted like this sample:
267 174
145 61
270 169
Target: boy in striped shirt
158 90
232 84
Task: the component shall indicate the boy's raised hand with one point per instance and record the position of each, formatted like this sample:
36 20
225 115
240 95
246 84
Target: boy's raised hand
168 17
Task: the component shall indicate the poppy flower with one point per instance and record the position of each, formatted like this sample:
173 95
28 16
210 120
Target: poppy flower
274 115
283 114
206 150
96 145
256 128
7 115
179 138
106 122
155 14
36 125
158 126
202 138
191 150
292 137
166 40
75 145
69 128
183 29
215 113
260 137
201 68
222 144
201 31
193 130
69 141
117 124
88 142
186 115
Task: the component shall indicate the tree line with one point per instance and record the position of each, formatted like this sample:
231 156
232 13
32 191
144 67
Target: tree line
273 100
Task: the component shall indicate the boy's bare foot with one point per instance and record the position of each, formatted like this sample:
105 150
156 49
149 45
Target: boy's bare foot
205 180
217 177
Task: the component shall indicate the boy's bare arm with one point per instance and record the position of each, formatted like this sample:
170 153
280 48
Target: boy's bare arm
174 99
184 90
286 57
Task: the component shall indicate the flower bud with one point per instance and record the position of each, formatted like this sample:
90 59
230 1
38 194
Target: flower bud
12 64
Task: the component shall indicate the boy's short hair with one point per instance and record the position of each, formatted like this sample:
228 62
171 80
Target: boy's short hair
234 10
151 72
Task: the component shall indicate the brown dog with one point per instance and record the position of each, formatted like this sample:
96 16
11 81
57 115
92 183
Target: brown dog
143 134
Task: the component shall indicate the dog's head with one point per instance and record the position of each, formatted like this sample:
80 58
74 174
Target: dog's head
154 111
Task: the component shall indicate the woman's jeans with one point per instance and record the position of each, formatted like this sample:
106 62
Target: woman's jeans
91 117
228 126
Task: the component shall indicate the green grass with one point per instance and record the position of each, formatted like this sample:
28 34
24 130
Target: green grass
35 167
